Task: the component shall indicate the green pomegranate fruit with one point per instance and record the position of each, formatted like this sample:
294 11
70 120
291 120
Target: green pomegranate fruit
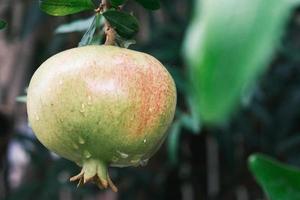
101 106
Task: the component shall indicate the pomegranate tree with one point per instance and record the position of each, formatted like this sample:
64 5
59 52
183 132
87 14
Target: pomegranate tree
101 106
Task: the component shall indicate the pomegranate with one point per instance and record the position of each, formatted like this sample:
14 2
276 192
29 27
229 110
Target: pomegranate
101 106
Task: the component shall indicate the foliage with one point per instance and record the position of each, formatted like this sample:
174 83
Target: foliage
89 36
279 181
116 3
125 24
227 48
65 7
80 25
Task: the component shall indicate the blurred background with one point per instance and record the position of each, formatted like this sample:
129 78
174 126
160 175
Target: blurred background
195 162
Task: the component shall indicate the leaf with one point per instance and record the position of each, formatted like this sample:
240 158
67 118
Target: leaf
3 24
116 3
65 7
125 24
87 38
149 4
75 26
279 181
227 46
191 121
173 142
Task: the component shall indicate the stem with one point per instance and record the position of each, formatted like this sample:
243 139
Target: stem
95 171
108 30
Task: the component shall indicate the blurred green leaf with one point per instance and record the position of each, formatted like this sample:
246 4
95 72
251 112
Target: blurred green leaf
228 44
3 24
173 142
125 24
279 181
65 7
184 120
149 4
191 121
80 25
117 2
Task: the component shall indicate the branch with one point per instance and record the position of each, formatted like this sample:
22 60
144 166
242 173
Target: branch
108 30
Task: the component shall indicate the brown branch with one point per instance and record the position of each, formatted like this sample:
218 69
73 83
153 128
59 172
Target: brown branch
108 29
110 34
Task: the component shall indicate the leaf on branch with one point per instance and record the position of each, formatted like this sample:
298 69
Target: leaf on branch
77 26
125 24
65 7
3 24
279 181
149 4
173 141
89 34
116 3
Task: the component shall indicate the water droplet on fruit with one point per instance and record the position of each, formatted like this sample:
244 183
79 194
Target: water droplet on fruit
89 100
123 155
145 140
81 140
82 110
87 154
150 109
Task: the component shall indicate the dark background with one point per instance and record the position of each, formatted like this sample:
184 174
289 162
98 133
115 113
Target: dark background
212 164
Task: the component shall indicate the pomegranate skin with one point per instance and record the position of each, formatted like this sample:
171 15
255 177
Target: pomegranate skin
101 106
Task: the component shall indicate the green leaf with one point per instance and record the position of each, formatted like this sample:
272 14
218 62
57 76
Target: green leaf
173 142
65 7
227 46
191 121
3 24
279 181
88 37
116 3
125 24
149 4
75 26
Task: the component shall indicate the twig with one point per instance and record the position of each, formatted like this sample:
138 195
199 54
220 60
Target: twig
108 29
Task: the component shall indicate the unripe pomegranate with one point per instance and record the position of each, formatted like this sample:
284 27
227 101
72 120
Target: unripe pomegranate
101 106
